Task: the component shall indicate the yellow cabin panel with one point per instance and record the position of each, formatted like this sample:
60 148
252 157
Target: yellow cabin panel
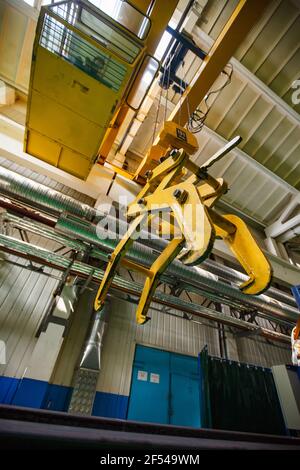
78 80
36 142
62 82
74 163
62 125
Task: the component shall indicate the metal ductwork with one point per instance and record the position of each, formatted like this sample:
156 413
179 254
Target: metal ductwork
87 232
82 270
193 276
86 376
198 278
91 357
235 276
107 240
26 189
9 221
43 196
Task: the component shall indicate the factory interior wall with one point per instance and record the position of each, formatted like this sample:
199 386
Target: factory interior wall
24 298
165 332
22 309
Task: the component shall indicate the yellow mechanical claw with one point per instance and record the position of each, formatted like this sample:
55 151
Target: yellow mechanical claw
116 257
193 225
152 279
250 256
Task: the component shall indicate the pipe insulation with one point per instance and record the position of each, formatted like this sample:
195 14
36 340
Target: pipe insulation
87 233
26 189
85 271
14 184
192 275
91 356
9 221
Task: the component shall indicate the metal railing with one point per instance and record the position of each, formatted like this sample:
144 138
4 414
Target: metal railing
68 45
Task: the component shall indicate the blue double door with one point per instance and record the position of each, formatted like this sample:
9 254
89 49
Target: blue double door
164 388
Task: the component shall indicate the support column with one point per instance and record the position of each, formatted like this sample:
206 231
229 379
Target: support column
7 94
35 382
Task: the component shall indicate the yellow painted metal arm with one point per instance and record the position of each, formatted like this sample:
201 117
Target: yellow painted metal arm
244 247
115 258
245 15
152 279
194 227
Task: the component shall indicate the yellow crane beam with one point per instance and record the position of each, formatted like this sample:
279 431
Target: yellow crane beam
234 32
160 18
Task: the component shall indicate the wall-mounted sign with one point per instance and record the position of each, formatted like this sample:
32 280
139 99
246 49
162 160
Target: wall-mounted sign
142 375
154 378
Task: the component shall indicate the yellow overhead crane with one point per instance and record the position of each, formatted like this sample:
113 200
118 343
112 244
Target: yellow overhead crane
196 225
243 18
89 67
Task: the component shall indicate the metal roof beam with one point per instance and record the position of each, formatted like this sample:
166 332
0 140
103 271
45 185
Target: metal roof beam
251 161
206 42
239 24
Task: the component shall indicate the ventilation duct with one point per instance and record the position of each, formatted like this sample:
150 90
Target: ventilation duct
86 376
14 184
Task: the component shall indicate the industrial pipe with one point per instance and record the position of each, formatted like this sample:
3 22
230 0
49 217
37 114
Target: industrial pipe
194 276
13 184
82 270
81 247
43 196
86 376
91 356
26 189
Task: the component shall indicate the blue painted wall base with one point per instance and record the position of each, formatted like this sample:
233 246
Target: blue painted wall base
110 405
8 388
33 393
30 393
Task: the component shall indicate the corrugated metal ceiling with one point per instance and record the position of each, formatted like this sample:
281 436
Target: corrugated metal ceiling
256 104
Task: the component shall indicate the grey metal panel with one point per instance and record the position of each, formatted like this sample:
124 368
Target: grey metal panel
24 298
288 389
232 347
73 344
261 352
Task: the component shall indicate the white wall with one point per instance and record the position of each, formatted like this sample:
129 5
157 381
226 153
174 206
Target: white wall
24 297
17 31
